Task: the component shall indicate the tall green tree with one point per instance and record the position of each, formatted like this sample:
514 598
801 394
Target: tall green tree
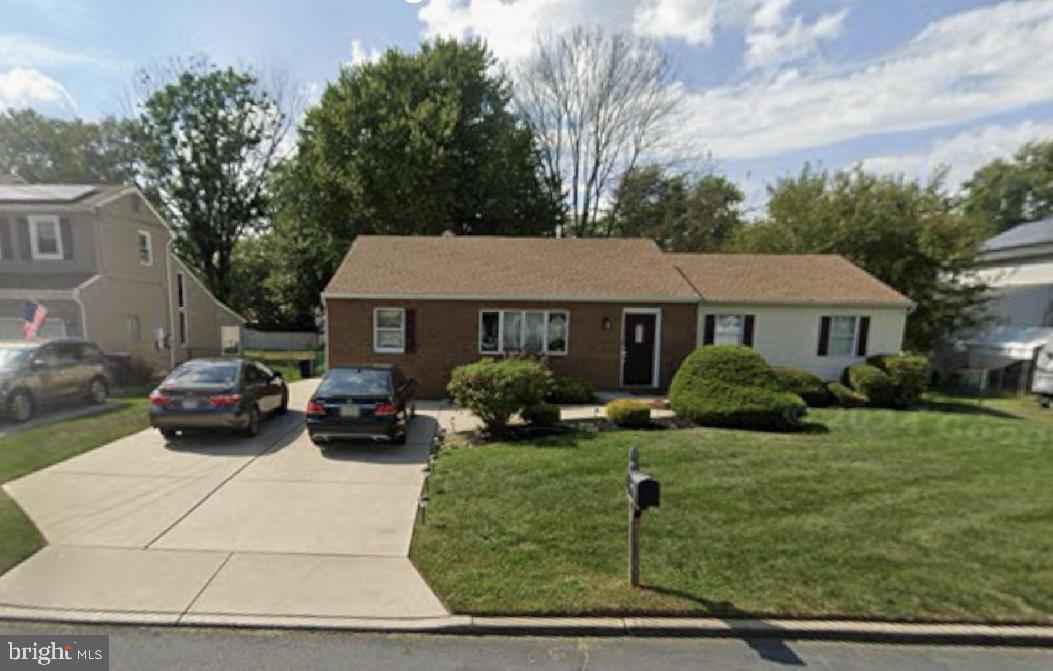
415 143
41 149
207 139
1005 193
907 234
680 212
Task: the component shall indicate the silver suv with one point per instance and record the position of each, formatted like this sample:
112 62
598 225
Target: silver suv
37 374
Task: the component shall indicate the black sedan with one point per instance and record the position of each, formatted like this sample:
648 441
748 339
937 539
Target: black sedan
373 402
227 394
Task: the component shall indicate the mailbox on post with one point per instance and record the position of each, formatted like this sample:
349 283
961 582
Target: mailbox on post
643 492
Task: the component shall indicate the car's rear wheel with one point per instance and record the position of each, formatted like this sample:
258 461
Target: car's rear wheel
253 427
98 391
20 406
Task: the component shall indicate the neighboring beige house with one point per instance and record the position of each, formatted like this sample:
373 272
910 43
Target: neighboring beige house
100 259
619 313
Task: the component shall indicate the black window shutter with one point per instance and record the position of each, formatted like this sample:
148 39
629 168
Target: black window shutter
864 333
67 238
824 336
710 330
747 331
411 330
7 251
23 238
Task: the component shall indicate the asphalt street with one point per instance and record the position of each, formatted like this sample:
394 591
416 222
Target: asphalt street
135 648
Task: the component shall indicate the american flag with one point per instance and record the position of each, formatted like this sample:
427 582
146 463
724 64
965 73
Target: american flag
34 315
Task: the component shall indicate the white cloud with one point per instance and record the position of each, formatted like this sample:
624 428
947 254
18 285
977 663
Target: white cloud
360 55
963 152
17 49
28 87
958 68
773 38
690 20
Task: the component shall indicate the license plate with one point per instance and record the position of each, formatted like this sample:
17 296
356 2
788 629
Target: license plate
192 404
349 411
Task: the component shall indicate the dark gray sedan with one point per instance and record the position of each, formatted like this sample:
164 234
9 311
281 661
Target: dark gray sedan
226 394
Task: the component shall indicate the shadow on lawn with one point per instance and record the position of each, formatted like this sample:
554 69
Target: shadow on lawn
965 408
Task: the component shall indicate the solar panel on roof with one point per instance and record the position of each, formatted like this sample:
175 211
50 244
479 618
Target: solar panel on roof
63 193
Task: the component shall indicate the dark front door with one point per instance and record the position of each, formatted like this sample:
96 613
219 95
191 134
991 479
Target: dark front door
638 365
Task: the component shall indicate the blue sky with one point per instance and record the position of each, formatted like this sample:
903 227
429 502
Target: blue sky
900 85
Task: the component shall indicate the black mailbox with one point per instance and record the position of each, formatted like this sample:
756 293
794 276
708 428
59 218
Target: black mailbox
644 491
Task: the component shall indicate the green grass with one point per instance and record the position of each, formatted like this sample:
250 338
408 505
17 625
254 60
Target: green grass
32 449
944 513
287 361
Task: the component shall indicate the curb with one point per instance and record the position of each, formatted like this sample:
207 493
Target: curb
642 627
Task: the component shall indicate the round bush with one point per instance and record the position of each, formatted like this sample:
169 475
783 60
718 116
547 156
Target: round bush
733 386
629 413
805 384
873 383
909 374
542 414
570 390
496 389
845 397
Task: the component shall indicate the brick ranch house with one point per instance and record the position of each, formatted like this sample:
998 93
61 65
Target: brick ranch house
619 313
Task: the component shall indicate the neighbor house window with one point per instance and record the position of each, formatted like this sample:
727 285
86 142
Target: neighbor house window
530 331
843 336
181 304
146 249
45 237
389 330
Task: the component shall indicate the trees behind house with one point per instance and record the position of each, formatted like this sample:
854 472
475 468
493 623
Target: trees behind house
414 143
1005 193
681 212
907 234
206 140
41 149
598 102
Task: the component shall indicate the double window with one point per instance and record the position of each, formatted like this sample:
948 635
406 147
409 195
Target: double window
529 331
389 330
45 237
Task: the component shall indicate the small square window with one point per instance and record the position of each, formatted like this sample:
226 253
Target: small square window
389 330
728 330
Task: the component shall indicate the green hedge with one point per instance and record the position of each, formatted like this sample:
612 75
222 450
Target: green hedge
496 389
845 397
629 413
733 386
542 414
909 374
805 384
873 383
567 389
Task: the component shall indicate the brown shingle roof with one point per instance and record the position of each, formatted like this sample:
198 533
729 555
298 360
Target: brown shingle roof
506 267
803 278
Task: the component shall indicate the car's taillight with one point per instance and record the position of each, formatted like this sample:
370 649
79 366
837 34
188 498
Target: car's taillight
384 410
157 398
218 400
315 408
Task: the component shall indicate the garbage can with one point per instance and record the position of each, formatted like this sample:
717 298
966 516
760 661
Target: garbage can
306 368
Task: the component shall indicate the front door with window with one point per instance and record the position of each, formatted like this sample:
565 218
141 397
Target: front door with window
638 362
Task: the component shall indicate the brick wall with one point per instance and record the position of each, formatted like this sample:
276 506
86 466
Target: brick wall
447 334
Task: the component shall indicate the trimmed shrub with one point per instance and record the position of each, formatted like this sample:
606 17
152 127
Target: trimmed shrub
845 397
542 414
805 384
733 386
629 413
567 389
496 389
873 383
909 373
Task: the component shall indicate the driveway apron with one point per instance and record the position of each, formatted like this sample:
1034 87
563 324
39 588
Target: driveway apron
226 530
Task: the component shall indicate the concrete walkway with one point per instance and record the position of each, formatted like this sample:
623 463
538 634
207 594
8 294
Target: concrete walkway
271 530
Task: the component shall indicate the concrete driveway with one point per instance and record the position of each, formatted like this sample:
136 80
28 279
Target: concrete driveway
270 530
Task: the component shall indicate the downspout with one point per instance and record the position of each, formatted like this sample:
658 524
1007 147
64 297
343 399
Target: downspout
168 299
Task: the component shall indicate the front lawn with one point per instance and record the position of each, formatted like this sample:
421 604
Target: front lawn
32 449
939 514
